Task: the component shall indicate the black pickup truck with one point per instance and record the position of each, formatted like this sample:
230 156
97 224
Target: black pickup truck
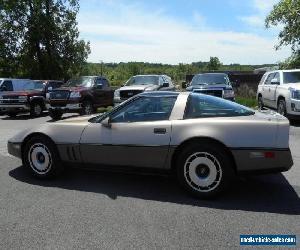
216 84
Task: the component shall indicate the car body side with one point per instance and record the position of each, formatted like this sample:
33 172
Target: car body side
248 139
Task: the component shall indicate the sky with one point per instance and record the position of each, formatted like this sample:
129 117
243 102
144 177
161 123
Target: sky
174 31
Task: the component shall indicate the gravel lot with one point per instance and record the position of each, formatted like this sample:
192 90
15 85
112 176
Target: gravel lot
100 210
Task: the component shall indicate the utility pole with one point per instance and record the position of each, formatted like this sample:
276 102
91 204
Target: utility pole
101 67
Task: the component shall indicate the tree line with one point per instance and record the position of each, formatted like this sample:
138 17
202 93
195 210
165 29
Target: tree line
39 39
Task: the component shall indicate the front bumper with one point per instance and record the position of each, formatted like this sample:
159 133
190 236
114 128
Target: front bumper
14 107
293 107
262 160
14 148
67 107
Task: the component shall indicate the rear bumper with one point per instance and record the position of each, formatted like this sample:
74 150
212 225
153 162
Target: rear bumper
262 160
14 149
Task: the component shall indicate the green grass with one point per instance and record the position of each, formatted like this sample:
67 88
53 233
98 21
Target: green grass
103 110
249 102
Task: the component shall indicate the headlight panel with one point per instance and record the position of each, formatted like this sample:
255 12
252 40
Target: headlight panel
295 94
228 93
117 93
22 98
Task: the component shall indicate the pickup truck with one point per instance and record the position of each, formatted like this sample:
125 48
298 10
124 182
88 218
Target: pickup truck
141 83
28 96
81 95
280 90
215 84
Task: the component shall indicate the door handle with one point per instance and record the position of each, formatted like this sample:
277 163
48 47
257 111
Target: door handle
159 130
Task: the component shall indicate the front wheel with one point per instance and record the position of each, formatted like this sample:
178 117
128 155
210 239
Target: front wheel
87 108
41 157
281 107
36 109
204 170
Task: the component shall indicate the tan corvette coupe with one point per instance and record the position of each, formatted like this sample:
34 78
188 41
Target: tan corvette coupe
205 140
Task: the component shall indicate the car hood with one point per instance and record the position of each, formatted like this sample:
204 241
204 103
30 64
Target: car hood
292 85
76 120
61 132
148 87
75 89
208 87
20 92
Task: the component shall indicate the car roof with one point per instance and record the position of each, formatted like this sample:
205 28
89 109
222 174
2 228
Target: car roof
13 79
151 75
283 70
212 74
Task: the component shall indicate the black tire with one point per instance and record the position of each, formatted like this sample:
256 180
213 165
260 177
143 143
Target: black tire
55 115
12 114
36 109
87 108
260 103
281 107
41 157
210 174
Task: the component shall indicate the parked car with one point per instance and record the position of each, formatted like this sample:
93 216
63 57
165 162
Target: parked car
280 90
216 84
28 97
81 95
140 83
205 140
9 84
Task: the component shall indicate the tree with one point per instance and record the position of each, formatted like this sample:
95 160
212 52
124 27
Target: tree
214 63
42 36
287 13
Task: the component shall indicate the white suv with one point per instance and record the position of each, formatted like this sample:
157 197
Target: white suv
280 90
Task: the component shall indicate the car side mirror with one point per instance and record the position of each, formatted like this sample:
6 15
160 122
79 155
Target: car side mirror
275 81
183 85
50 88
106 122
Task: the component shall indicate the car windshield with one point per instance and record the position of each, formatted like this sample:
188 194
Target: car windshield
34 86
200 105
209 79
291 77
80 82
142 80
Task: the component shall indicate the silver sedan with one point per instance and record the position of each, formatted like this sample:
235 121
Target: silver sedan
205 140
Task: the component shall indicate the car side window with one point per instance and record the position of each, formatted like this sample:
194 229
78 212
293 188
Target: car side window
145 109
269 78
276 76
201 106
7 86
54 85
99 83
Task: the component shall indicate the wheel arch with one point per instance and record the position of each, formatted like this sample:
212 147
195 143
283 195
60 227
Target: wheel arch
38 99
29 137
280 97
205 140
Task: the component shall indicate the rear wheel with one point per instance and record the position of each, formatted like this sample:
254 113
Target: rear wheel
260 103
36 109
204 170
41 157
87 108
55 115
281 107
